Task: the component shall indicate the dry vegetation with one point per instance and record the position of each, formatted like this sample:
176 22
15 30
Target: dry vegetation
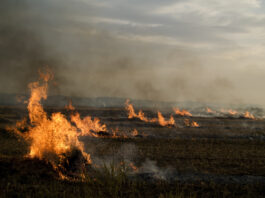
176 165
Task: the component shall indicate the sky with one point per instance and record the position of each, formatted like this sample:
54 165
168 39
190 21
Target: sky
184 50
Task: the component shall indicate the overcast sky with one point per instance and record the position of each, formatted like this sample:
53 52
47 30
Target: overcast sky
195 50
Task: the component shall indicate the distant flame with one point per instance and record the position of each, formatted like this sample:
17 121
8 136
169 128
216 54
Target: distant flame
182 112
189 123
133 167
208 110
163 122
135 132
70 106
229 111
132 114
160 118
249 115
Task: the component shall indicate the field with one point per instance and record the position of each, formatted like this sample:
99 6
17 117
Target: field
223 157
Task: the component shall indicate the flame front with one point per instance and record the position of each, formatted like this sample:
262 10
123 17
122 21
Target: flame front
182 112
132 114
163 122
160 118
249 115
230 112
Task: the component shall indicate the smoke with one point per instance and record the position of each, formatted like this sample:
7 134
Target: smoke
90 60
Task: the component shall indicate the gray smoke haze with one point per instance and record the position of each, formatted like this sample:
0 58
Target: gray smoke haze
142 50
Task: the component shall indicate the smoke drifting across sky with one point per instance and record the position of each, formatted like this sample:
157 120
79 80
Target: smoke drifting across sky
186 50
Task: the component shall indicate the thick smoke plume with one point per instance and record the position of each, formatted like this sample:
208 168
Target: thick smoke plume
90 60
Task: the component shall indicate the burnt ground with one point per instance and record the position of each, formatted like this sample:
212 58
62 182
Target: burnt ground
224 157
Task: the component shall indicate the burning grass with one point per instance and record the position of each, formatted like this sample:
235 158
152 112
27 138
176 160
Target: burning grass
47 157
53 138
160 118
31 177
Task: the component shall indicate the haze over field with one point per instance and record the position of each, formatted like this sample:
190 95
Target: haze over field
196 50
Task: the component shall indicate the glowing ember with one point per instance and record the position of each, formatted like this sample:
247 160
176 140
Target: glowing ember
182 112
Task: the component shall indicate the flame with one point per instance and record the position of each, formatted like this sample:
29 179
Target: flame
116 133
88 126
160 119
70 106
189 123
51 137
135 132
133 167
182 112
54 135
249 115
194 124
163 122
230 111
208 110
132 114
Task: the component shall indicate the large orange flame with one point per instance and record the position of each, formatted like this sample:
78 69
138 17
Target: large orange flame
51 137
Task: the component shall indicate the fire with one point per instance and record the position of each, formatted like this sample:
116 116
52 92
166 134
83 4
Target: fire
249 115
88 126
135 132
132 114
232 112
70 106
116 133
182 112
133 167
208 110
194 124
229 111
52 137
163 122
189 123
160 118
